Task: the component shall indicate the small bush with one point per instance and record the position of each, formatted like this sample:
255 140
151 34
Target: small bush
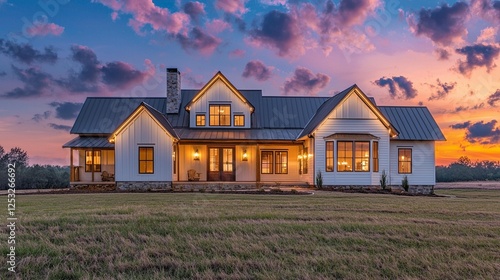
202 190
319 180
383 180
276 190
405 184
294 191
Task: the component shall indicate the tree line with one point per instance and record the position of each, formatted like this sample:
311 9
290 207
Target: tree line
34 176
465 170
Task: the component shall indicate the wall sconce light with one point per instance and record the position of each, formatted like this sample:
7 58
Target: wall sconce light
196 155
244 156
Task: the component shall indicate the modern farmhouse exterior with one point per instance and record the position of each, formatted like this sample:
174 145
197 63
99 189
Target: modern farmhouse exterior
220 134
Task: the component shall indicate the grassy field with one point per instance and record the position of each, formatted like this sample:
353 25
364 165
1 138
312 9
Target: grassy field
211 236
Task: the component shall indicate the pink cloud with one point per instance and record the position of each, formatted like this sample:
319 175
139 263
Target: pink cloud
237 53
231 6
217 26
145 12
44 29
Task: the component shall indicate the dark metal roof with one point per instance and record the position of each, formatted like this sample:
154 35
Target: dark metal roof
413 123
89 142
102 115
238 134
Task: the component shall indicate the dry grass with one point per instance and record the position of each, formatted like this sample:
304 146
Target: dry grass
212 236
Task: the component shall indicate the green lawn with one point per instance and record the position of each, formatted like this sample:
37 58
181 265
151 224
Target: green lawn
195 235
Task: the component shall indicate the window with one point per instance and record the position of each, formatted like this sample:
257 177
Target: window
362 156
306 153
88 161
344 154
404 160
146 160
239 120
266 162
200 120
375 156
220 115
281 162
329 156
174 158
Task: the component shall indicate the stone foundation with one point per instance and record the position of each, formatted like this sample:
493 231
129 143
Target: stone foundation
414 189
143 186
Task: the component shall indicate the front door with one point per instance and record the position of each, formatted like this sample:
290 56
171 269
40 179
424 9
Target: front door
221 164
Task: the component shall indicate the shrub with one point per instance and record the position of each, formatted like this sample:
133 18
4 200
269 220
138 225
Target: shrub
294 191
383 180
319 180
405 184
276 190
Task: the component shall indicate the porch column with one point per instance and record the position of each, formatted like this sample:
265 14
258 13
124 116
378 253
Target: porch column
92 166
257 164
71 175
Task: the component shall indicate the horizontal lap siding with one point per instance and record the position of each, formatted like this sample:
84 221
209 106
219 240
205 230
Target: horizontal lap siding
352 116
141 132
423 163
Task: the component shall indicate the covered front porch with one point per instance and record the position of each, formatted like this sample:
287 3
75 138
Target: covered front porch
92 161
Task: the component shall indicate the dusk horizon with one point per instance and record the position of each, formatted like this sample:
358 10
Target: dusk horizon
55 54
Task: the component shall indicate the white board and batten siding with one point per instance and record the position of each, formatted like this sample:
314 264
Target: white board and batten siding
219 94
352 116
423 163
143 131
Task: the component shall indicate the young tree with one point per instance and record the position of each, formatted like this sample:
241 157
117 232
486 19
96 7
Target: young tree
18 156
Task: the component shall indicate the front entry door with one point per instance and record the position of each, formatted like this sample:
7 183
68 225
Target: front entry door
221 164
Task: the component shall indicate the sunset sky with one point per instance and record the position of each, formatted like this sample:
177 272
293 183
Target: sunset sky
440 54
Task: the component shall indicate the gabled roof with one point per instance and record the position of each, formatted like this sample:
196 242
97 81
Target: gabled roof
329 105
215 78
413 123
155 114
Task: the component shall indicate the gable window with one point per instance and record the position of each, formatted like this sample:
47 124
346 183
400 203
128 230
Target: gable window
220 115
200 120
266 162
329 156
146 160
362 156
239 120
404 160
375 156
344 154
281 162
94 165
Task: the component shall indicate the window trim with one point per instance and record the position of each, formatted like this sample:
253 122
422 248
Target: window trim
271 164
376 162
92 168
280 170
218 115
146 160
204 119
234 120
405 161
332 144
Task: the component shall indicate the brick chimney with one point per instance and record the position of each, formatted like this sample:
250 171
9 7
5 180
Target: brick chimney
173 90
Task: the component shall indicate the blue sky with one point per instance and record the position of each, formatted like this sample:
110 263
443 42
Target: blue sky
440 54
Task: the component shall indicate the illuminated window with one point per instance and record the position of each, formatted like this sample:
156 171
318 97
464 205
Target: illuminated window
362 156
239 120
344 154
329 156
220 115
281 162
97 161
200 120
375 156
146 160
305 159
404 160
266 162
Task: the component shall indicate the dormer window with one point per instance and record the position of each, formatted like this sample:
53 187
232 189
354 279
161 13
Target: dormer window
239 120
220 115
200 119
